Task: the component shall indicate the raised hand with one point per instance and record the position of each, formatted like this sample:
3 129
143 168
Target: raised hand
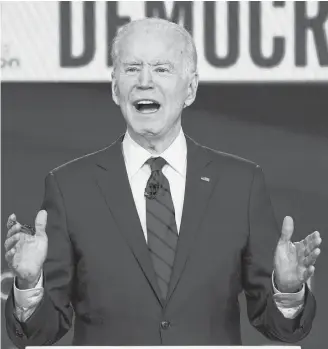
294 262
26 253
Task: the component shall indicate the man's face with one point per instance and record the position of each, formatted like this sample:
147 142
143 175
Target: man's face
150 83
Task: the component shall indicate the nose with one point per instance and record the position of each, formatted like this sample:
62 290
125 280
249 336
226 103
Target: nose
145 80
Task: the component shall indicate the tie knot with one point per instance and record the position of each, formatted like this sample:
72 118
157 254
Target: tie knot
156 164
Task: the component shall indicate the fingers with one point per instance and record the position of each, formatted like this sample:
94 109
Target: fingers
11 241
15 229
11 221
9 255
311 242
308 273
287 229
312 257
41 222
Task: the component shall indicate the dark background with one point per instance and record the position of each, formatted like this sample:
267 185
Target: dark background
282 127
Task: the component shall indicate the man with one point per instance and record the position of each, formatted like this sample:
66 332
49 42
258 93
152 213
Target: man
151 240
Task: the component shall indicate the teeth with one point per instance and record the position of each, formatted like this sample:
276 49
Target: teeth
145 102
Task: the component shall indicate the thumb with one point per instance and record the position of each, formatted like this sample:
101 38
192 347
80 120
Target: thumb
41 222
287 229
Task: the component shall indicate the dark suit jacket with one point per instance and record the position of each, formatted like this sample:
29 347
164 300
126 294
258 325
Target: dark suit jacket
98 263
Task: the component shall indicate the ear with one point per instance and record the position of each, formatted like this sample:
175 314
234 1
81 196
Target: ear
115 92
192 90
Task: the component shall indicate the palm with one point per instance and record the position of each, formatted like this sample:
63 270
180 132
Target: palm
289 264
30 254
294 262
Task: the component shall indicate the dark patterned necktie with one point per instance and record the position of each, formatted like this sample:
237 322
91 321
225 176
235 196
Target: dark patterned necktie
162 233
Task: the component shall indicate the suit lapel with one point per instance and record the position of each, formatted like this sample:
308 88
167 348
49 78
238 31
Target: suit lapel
111 175
197 196
112 178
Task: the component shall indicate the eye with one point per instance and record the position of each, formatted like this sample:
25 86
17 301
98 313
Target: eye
161 70
131 69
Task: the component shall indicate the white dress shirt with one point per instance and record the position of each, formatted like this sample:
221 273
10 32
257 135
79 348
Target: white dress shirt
26 301
174 170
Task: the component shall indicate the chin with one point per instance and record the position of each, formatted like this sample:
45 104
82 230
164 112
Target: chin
150 133
150 129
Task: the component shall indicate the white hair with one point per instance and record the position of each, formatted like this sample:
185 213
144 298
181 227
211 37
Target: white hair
190 48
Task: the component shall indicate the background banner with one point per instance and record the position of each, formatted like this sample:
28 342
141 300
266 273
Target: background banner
236 41
262 96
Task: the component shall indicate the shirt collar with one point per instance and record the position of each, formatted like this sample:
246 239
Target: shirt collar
135 155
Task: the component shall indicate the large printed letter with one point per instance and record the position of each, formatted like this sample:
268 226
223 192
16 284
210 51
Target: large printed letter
318 26
210 37
278 50
180 8
66 56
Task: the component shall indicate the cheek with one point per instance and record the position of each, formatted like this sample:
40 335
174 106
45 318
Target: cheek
123 89
177 97
123 92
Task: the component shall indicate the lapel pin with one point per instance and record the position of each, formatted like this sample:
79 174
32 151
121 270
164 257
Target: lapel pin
206 179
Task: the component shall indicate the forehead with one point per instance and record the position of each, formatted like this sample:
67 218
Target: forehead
152 44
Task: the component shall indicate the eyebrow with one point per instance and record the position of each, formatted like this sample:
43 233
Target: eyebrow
132 63
154 64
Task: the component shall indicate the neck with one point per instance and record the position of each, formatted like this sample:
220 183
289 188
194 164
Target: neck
156 144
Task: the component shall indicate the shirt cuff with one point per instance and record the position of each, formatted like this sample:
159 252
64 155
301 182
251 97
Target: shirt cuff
288 299
30 297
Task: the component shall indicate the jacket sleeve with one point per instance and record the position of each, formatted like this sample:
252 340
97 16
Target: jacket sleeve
53 316
257 271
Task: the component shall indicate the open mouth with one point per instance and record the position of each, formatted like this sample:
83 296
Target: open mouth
146 106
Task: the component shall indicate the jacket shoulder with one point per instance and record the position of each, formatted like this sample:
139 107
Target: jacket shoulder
81 166
226 159
232 159
77 163
85 162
